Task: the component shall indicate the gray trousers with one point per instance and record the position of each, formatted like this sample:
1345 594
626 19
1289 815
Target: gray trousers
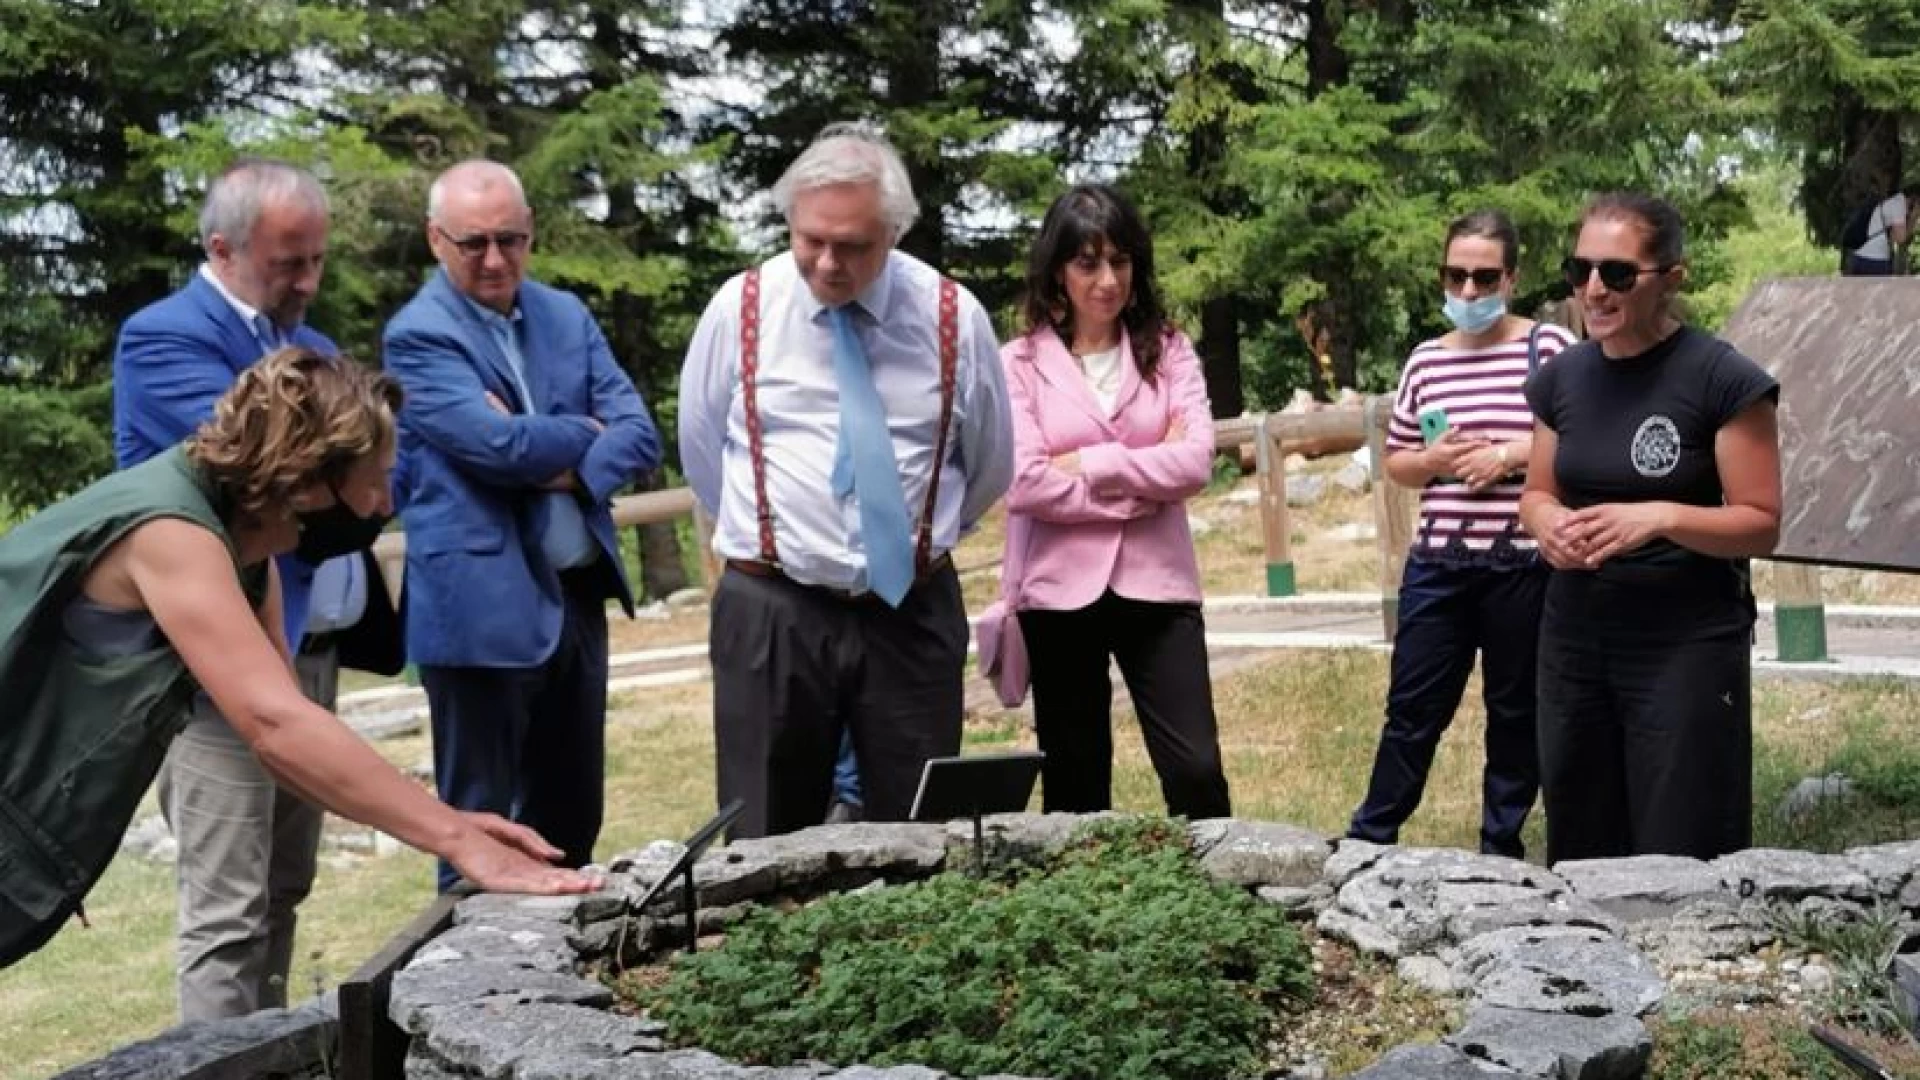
248 850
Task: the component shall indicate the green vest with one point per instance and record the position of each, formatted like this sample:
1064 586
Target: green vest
81 738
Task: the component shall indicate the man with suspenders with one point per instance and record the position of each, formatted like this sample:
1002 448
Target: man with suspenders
843 417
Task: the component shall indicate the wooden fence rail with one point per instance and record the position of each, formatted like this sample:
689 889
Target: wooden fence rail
1274 436
1330 431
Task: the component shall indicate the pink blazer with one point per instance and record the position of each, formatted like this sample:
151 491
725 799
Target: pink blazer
1121 523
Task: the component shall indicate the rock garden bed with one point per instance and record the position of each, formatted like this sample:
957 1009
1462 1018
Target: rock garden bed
1518 970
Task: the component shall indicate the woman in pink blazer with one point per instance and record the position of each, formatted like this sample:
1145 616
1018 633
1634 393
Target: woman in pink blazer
1112 434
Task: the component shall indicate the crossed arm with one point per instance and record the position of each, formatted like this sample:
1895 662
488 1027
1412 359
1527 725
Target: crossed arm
1112 481
450 407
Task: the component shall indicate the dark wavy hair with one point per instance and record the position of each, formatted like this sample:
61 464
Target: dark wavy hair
1093 216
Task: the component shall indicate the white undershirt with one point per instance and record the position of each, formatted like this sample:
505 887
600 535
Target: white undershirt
1102 370
1879 244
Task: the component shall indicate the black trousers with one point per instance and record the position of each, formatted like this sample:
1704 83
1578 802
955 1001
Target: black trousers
529 744
1447 614
1646 721
1162 652
794 667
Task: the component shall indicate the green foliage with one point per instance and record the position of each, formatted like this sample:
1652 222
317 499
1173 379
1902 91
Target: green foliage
57 442
1729 1046
1116 961
1859 950
1838 83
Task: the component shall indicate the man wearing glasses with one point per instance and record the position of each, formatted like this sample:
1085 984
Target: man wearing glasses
519 428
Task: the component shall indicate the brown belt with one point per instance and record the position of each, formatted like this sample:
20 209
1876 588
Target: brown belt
759 569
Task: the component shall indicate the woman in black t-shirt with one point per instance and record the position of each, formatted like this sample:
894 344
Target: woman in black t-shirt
1654 476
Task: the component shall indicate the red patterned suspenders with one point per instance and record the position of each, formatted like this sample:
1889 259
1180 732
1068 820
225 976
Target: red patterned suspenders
749 378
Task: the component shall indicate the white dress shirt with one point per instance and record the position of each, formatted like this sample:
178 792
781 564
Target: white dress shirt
817 533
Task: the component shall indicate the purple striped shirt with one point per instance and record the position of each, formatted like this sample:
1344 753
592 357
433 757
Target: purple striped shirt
1481 392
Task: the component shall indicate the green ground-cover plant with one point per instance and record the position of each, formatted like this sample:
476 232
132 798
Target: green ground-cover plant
1117 959
1736 1046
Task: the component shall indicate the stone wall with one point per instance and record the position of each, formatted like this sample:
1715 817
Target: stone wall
1556 970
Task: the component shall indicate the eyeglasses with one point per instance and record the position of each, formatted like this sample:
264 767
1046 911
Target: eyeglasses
1486 277
476 245
1618 275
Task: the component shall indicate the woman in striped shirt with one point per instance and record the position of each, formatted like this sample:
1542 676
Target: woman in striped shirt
1461 431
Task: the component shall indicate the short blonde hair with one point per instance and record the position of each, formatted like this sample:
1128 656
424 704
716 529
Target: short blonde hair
294 418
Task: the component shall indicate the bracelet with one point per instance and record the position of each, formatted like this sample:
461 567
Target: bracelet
1504 464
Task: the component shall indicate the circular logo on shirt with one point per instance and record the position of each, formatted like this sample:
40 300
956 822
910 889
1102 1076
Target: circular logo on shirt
1656 447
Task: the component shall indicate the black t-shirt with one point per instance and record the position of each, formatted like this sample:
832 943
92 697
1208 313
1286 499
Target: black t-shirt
1641 429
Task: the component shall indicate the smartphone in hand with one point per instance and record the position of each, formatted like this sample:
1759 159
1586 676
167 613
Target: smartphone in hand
1433 425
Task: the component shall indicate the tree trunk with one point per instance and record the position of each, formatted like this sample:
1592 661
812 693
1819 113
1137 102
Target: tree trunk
1219 344
663 569
663 566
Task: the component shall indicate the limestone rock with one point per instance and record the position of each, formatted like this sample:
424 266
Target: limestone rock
1305 489
484 907
490 1038
418 990
1425 898
1775 874
1559 1046
1427 1061
1016 837
527 943
1642 887
275 1042
1429 973
1351 856
1252 854
1700 932
1894 870
1570 974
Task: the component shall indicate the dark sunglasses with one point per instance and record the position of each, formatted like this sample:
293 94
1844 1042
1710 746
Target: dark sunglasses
475 246
1618 275
1486 277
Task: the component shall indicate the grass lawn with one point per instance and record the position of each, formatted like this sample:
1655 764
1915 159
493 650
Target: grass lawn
1298 732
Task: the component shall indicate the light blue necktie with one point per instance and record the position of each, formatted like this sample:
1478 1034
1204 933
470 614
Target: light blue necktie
272 339
864 466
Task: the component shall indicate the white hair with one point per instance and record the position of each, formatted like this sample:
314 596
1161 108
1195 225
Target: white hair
478 174
852 153
244 190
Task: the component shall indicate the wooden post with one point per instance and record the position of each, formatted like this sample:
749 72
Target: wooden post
1392 517
1799 613
1270 467
703 538
372 1047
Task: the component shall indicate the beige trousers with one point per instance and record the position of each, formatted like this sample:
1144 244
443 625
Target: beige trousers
248 850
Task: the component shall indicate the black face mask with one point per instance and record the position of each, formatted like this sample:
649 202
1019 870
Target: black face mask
335 530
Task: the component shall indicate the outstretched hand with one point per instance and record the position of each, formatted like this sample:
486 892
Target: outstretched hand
504 857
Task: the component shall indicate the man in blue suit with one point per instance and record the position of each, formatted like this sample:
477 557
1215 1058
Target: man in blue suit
248 846
518 429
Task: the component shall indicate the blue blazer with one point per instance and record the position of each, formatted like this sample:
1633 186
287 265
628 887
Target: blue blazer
174 359
479 590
